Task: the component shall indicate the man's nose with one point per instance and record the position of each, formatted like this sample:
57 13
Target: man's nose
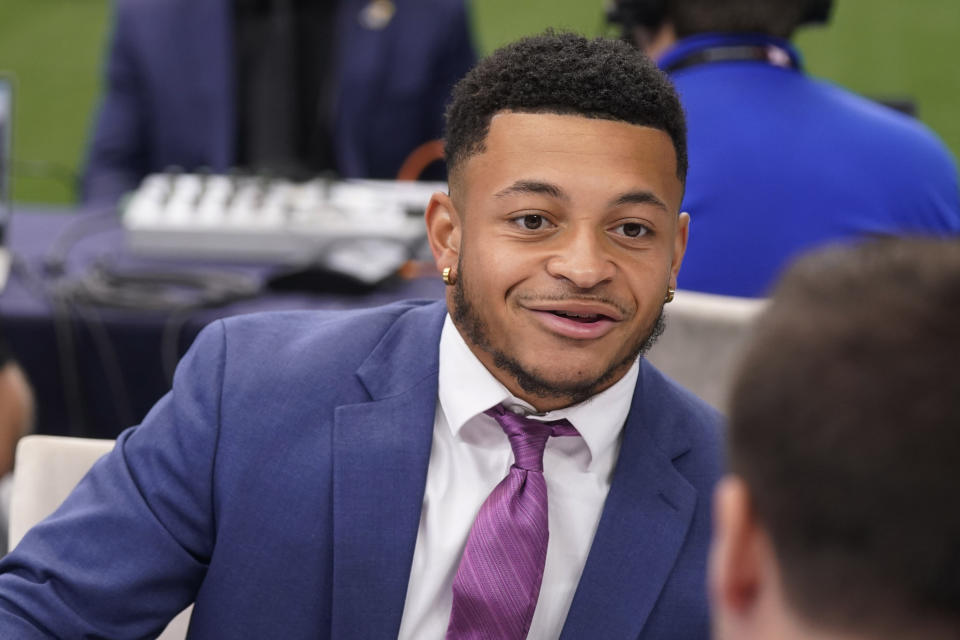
582 259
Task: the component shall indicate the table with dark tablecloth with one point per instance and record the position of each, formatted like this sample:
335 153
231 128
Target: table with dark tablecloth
97 370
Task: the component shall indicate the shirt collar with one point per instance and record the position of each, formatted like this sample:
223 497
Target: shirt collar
467 389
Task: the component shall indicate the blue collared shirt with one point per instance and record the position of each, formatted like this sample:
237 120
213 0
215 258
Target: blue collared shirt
781 162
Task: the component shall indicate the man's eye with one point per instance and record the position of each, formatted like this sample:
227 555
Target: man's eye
632 229
531 221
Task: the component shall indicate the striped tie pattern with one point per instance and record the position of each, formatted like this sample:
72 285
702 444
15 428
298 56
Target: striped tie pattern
497 584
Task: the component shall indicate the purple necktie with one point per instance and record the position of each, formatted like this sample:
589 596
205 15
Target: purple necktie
496 587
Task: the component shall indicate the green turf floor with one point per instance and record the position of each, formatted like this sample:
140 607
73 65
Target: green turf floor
882 48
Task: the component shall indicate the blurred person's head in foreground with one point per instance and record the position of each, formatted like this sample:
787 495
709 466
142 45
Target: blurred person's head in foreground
839 516
654 25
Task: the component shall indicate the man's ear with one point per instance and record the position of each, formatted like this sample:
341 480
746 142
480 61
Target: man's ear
738 552
443 230
679 246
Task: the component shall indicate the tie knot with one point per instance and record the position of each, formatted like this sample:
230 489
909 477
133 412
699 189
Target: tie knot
528 437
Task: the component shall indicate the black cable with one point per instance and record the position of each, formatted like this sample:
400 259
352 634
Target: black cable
149 289
69 368
110 364
66 353
177 292
170 342
82 226
54 265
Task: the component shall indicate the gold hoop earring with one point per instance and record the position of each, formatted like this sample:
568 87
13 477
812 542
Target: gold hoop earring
447 275
669 297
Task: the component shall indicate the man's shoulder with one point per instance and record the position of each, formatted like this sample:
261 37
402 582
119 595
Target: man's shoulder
874 116
823 109
278 354
336 338
337 326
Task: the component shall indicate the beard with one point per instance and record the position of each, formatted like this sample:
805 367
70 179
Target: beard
476 332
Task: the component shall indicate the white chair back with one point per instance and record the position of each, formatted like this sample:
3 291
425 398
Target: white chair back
46 470
703 342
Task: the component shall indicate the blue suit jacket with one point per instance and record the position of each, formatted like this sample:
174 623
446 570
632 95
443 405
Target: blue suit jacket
280 485
170 93
781 162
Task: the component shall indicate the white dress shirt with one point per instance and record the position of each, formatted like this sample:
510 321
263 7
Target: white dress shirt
470 455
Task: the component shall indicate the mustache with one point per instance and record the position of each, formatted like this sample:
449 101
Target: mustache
573 295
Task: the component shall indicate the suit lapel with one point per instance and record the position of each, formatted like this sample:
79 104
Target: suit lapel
381 452
641 532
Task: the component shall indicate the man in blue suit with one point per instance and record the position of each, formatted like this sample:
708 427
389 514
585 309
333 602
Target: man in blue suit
293 87
317 475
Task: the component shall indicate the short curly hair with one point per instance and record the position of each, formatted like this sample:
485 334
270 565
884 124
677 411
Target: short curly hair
563 73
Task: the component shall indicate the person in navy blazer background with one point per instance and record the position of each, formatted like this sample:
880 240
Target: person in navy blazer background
170 96
284 485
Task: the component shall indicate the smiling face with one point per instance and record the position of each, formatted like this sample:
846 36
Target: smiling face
563 235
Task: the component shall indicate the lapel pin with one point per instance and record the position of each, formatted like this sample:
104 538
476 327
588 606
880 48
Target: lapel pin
377 14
